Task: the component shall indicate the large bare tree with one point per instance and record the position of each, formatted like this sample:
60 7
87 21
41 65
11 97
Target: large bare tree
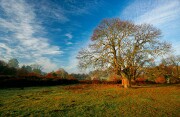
122 47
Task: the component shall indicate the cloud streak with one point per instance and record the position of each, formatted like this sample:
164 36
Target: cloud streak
81 7
164 14
50 10
69 43
161 14
69 35
24 35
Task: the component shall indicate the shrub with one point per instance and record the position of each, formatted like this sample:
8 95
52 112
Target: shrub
96 81
72 80
140 80
85 81
150 82
174 80
70 77
31 74
160 80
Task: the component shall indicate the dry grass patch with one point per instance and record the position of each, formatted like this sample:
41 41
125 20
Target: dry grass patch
91 100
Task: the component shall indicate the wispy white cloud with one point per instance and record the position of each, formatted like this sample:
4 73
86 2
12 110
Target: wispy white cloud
161 14
49 9
21 29
69 43
136 9
164 14
47 64
5 51
152 12
76 7
69 35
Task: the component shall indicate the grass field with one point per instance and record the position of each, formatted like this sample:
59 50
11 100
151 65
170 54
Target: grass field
91 100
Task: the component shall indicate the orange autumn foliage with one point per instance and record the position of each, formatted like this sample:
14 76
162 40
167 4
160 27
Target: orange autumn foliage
160 80
49 75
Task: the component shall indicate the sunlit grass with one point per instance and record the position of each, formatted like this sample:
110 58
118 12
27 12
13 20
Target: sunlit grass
91 100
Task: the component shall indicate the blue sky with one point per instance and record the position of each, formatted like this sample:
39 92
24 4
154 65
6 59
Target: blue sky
51 32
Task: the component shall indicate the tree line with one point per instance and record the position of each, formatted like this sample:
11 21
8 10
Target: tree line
12 68
12 75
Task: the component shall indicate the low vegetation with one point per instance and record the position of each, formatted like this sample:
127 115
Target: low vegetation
91 100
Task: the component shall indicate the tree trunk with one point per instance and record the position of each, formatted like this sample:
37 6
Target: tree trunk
125 83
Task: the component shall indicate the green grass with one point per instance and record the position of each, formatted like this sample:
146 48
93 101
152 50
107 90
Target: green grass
90 101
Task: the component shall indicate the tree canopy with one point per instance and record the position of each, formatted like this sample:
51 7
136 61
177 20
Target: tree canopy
13 63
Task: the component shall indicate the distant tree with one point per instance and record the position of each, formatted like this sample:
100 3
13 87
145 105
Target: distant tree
70 77
10 71
51 75
122 47
151 73
36 68
28 68
6 70
2 63
13 63
173 61
22 71
80 76
99 74
3 67
61 73
54 74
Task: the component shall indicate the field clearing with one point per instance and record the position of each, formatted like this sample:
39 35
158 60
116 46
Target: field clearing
91 100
